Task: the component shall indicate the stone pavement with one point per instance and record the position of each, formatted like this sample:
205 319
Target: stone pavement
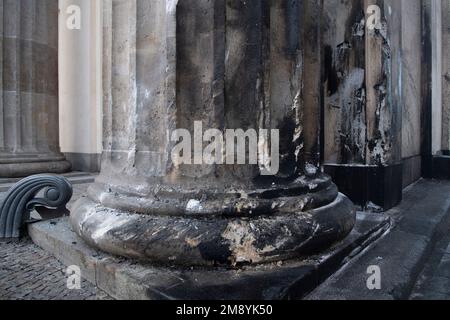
434 281
29 273
413 258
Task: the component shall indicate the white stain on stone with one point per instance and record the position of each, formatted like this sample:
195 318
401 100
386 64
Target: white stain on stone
194 206
108 222
171 6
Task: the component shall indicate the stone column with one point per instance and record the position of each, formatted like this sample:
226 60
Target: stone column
363 107
446 77
29 136
435 88
229 65
436 76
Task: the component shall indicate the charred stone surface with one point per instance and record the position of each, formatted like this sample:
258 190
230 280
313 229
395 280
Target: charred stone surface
231 65
212 241
344 82
363 106
362 82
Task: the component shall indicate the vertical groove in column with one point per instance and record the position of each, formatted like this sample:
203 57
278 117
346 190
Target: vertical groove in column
244 76
195 69
107 79
11 69
123 83
170 121
392 59
196 73
155 83
312 84
264 89
27 77
265 120
219 63
446 75
284 75
50 86
2 114
131 46
436 35
243 65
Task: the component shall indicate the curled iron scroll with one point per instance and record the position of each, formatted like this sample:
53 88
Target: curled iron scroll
22 198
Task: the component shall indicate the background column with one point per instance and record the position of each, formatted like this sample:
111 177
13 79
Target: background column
29 131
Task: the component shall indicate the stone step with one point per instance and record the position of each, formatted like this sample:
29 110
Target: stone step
73 177
401 255
127 279
434 281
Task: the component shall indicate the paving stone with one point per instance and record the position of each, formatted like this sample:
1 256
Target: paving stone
402 255
29 273
439 285
396 255
444 267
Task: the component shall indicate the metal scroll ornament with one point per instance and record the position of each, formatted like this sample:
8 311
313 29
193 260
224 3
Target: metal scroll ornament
23 197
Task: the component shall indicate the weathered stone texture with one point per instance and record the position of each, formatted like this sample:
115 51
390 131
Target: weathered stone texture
29 135
345 93
29 273
362 84
232 65
446 75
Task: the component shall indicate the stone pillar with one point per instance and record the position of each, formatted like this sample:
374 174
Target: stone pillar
436 76
436 101
446 77
29 136
363 107
230 65
411 90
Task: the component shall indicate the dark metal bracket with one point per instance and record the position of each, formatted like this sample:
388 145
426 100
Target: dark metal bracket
22 198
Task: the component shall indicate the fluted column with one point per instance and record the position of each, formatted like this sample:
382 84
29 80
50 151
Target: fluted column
29 137
226 65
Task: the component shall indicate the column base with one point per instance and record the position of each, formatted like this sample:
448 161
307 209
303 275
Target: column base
215 240
437 166
130 280
27 165
380 185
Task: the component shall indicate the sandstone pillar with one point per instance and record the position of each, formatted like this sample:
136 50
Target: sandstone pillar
29 137
363 106
435 67
231 65
446 77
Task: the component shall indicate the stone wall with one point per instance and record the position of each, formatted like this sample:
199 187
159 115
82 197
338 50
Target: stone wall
80 84
411 89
